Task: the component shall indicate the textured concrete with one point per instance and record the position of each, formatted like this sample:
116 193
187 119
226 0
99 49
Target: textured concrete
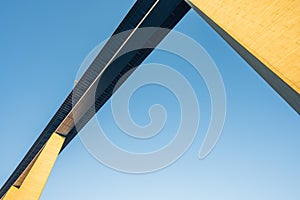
268 32
269 29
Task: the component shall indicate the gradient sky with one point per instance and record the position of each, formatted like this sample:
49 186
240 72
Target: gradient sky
42 47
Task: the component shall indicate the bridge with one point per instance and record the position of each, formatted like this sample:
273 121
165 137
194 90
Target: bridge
30 176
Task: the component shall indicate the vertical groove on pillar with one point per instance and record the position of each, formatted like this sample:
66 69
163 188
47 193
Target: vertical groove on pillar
33 185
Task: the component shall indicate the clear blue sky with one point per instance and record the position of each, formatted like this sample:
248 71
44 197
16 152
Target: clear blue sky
43 45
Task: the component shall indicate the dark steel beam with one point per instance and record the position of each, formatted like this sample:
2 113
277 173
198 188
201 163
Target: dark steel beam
165 14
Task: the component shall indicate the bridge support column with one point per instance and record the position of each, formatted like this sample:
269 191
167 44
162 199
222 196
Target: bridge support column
33 184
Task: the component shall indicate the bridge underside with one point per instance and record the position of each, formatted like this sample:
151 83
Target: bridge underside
238 22
144 13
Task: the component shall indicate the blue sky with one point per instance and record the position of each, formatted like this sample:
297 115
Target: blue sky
42 47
